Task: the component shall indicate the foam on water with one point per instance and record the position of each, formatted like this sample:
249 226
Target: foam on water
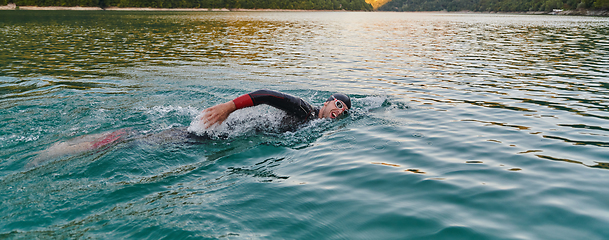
239 123
368 103
162 111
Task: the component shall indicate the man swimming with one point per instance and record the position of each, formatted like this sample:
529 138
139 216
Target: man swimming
334 107
297 111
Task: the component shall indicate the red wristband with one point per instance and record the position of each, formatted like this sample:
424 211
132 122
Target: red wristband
243 101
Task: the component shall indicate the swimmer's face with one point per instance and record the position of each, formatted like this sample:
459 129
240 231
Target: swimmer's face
332 109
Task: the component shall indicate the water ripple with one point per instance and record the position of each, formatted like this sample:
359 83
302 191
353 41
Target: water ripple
489 126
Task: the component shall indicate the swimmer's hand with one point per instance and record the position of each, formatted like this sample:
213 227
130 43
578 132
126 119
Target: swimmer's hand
217 114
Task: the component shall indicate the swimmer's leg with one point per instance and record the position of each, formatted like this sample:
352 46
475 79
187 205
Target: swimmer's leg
179 135
78 145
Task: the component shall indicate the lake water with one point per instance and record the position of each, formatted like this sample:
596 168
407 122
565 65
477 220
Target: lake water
464 126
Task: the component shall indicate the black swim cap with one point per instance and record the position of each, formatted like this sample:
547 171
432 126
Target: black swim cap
341 97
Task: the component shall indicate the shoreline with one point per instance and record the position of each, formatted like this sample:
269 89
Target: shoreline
147 9
602 13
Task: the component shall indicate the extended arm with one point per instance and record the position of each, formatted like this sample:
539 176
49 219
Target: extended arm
292 105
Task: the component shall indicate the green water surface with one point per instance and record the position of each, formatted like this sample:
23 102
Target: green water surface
464 126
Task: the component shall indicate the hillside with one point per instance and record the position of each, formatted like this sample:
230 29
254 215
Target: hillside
356 5
494 5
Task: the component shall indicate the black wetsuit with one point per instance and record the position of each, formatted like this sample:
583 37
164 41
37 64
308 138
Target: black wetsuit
293 106
298 111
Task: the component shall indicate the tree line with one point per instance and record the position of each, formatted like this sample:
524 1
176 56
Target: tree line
494 5
355 5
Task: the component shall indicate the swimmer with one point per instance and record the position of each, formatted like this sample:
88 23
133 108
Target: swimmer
334 107
298 111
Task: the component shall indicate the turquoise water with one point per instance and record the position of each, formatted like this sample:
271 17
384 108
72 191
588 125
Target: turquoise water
465 126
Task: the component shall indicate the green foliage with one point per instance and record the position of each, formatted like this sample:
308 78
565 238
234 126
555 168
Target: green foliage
493 5
250 4
552 4
601 4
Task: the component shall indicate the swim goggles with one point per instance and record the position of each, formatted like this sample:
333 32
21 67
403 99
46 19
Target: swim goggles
339 104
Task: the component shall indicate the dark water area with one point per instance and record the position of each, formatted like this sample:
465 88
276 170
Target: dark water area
464 126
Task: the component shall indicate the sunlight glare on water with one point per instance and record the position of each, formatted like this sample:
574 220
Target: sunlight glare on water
464 126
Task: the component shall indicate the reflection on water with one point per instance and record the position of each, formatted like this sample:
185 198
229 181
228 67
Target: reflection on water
473 126
94 44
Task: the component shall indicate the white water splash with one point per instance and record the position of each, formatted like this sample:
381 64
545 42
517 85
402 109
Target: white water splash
164 110
241 122
369 103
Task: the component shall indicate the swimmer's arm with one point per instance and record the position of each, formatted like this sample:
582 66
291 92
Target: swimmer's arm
290 104
293 105
217 114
